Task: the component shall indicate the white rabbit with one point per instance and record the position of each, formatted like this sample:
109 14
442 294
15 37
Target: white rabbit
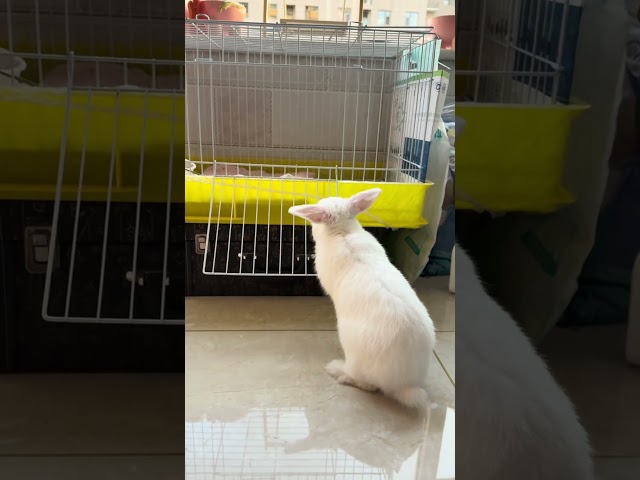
384 329
514 421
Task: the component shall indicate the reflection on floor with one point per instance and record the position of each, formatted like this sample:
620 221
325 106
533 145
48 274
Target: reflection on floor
589 363
260 406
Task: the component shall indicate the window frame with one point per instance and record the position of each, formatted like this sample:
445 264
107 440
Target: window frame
307 12
368 17
286 11
406 18
268 11
387 18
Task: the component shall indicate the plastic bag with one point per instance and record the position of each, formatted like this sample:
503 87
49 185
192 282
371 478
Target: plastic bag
410 249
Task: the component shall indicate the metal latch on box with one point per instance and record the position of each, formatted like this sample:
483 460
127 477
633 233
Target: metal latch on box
36 247
201 243
141 276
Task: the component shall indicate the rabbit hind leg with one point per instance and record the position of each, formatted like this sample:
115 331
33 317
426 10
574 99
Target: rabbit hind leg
337 369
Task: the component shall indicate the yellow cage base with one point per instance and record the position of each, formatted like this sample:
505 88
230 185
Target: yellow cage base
511 157
266 201
33 126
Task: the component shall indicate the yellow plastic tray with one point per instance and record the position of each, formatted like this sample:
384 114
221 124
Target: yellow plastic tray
31 129
266 201
511 157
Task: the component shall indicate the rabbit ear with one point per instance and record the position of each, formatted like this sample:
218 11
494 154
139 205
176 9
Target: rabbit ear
363 200
313 213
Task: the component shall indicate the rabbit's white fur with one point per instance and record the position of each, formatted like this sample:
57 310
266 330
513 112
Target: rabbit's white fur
384 329
517 420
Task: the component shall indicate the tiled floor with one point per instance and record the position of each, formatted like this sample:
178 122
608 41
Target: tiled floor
91 426
260 406
259 403
589 363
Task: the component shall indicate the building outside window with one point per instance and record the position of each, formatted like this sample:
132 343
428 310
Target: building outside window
344 15
411 19
291 11
383 13
273 11
366 15
311 13
384 17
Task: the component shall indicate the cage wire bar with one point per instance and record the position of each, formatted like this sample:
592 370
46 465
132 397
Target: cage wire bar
90 77
514 51
306 107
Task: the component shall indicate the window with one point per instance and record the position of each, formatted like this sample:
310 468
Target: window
273 11
246 7
291 11
344 15
366 14
310 13
411 19
384 17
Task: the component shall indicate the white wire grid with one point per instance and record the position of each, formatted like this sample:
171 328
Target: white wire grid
310 105
328 41
46 35
514 51
113 43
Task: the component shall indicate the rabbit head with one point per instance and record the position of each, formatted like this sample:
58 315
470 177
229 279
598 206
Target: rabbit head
337 211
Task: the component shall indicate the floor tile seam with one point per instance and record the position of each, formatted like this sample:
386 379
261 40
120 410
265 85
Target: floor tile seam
444 368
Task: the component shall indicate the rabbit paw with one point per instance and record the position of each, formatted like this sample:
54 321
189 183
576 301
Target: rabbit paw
336 368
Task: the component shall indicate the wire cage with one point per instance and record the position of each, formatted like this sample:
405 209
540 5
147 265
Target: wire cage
91 108
280 115
517 52
515 67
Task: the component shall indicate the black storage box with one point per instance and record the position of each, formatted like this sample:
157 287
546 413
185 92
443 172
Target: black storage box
35 345
238 239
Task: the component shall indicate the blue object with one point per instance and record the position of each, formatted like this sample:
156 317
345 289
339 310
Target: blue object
416 152
547 45
439 263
